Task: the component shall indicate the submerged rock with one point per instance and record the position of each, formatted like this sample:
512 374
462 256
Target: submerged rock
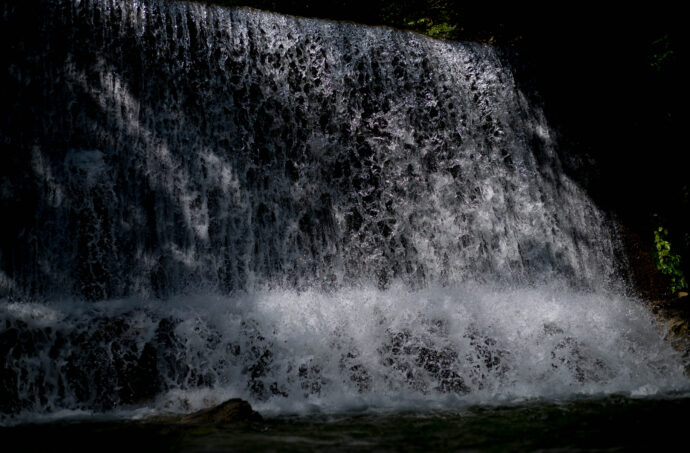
231 411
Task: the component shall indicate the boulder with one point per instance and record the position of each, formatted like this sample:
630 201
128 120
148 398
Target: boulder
232 411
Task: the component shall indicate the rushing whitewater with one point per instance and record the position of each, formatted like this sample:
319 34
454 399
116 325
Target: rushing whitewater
202 202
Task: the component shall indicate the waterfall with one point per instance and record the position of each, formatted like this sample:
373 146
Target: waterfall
205 202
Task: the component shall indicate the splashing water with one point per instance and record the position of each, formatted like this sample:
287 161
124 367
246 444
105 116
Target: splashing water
352 349
303 213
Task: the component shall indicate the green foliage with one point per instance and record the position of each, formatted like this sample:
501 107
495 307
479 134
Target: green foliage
442 30
662 53
421 22
668 262
427 26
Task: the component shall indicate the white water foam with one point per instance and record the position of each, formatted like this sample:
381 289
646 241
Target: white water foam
353 349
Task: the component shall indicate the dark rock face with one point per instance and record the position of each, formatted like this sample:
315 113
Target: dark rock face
232 411
646 279
674 317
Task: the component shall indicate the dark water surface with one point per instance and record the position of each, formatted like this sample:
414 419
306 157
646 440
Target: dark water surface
609 424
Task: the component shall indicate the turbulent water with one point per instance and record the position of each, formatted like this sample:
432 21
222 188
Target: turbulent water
202 202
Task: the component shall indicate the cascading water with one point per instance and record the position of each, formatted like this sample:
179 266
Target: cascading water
202 202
